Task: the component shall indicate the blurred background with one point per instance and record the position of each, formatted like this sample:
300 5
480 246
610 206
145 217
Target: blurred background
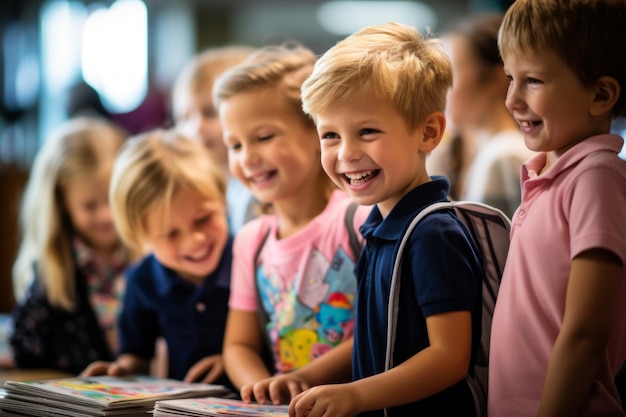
119 58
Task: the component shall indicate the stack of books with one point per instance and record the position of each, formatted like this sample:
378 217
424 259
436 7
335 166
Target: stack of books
96 396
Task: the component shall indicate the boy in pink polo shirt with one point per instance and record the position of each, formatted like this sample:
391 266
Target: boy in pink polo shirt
559 328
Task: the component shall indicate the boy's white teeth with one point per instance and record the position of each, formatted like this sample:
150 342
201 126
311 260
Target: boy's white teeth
359 175
261 177
198 257
528 124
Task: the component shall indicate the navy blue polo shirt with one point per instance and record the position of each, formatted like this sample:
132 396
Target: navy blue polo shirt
191 318
441 272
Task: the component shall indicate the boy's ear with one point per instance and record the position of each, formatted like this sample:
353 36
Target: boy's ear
606 93
433 128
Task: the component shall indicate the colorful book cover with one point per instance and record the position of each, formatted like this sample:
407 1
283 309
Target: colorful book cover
212 406
108 390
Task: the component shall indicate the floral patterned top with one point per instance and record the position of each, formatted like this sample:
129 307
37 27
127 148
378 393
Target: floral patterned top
50 337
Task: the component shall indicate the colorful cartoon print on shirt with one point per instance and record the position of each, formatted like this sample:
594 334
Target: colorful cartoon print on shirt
312 312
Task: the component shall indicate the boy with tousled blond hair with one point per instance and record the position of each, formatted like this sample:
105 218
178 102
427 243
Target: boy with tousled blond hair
167 196
378 100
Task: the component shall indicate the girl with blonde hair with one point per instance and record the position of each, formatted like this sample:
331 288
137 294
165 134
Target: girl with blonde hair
293 269
67 276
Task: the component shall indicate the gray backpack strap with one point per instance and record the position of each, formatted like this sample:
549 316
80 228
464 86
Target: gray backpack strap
490 230
355 244
266 351
394 291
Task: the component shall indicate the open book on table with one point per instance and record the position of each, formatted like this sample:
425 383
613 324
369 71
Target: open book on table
198 407
96 396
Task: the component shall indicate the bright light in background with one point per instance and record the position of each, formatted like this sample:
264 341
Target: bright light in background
346 17
115 54
61 24
21 67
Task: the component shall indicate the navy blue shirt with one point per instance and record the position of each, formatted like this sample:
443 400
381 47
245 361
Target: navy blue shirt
441 272
191 318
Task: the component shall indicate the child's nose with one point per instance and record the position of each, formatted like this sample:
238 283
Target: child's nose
348 151
513 99
105 213
249 156
194 239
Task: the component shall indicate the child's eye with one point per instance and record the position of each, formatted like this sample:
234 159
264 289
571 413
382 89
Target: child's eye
368 131
265 138
90 206
171 235
209 112
531 80
203 220
329 135
234 147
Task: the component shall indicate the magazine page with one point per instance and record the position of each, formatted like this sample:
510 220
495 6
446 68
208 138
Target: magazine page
41 406
212 406
107 391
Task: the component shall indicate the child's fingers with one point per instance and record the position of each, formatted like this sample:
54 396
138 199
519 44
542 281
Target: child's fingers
116 370
275 390
96 368
259 389
203 367
246 393
214 372
297 387
296 405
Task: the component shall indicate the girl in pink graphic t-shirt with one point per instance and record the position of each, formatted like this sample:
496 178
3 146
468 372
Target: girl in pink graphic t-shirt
294 266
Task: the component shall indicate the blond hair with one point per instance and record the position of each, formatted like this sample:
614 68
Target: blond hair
149 170
392 61
73 151
200 73
588 35
281 67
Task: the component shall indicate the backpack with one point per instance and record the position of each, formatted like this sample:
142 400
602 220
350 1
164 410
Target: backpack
355 247
490 229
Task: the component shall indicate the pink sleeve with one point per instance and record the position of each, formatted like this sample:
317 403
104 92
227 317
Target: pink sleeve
242 286
594 216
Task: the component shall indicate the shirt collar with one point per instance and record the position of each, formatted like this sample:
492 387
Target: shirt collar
168 280
392 227
607 142
86 257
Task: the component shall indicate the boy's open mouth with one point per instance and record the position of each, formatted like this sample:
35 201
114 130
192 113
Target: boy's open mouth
359 178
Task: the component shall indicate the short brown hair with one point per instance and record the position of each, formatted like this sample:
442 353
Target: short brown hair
588 35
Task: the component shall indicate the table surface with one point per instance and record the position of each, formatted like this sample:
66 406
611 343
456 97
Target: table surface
30 374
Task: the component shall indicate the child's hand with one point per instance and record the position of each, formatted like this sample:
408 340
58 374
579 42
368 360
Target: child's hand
337 400
212 367
281 389
104 368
